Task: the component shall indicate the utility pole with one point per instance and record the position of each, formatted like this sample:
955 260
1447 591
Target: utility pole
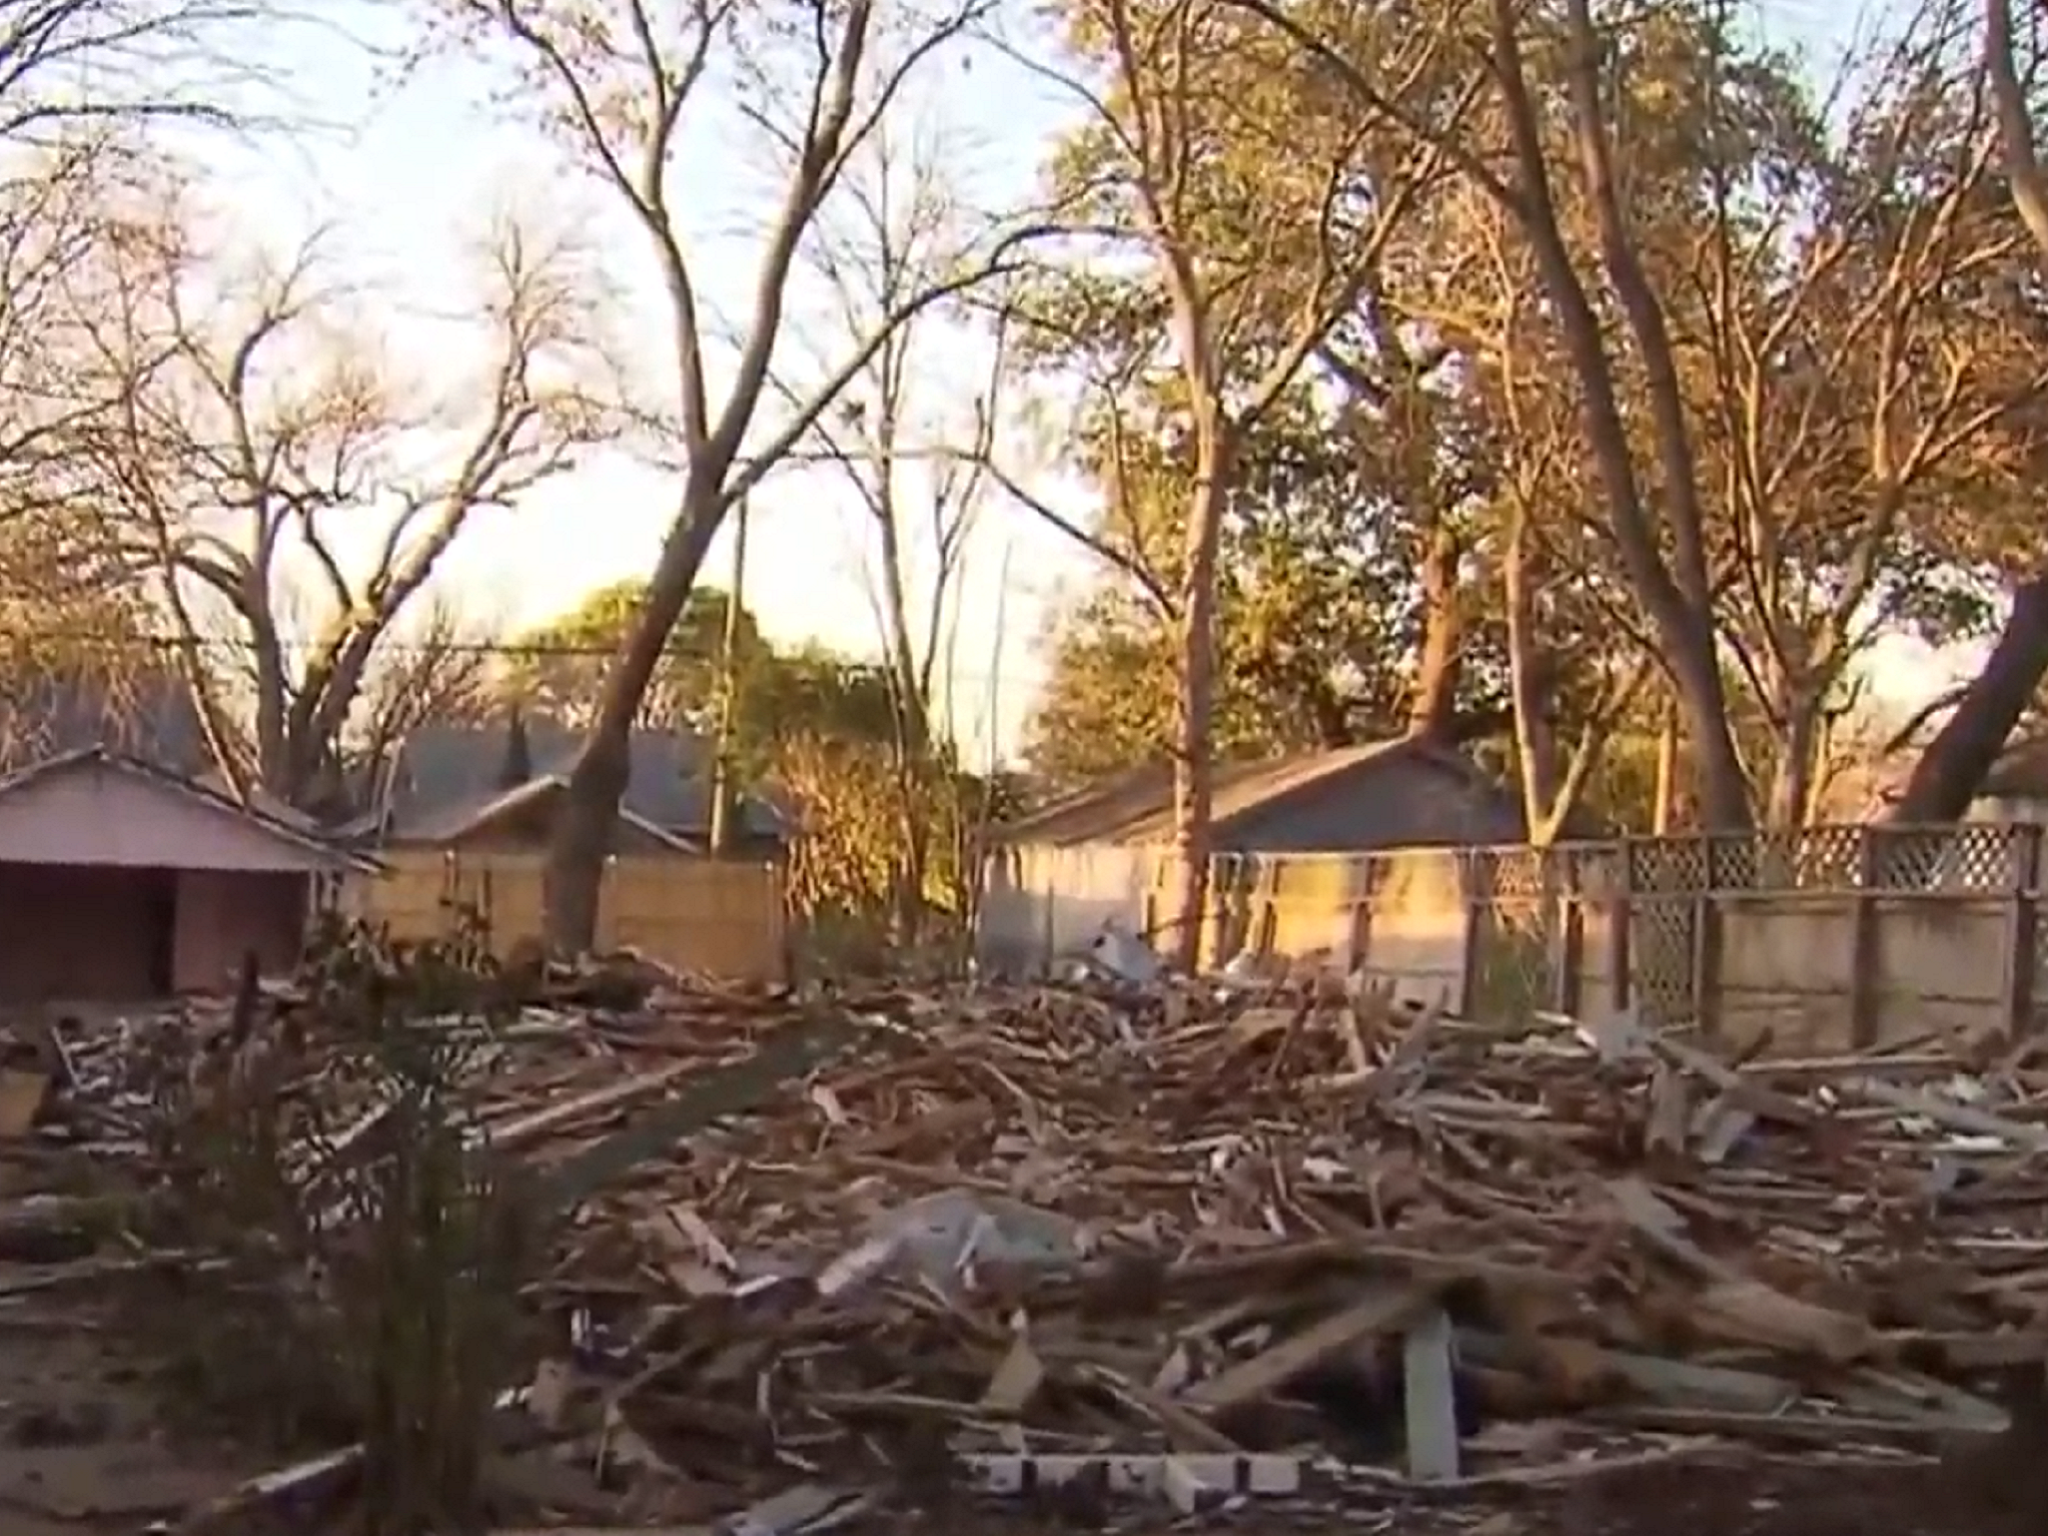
722 788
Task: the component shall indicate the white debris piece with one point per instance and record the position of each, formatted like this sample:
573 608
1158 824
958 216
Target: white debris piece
1189 1481
944 1236
1124 955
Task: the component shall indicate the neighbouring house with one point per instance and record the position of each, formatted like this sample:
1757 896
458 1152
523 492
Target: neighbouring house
2016 788
122 880
1058 875
1392 794
496 786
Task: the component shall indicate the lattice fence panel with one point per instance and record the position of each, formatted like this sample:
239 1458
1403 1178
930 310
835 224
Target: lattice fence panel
1971 857
1512 874
1598 872
1669 865
2040 993
1514 968
1660 958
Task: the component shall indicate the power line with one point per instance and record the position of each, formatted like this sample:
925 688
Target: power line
499 650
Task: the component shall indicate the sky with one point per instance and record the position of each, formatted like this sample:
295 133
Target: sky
406 178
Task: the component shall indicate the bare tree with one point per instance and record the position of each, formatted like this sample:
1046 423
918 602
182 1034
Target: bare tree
1858 389
82 82
1537 566
265 459
55 211
98 63
619 78
894 437
434 667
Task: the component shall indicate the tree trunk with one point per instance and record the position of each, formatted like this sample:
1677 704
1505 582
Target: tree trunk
910 707
1791 791
1664 796
1193 772
597 782
1949 773
1536 752
1677 598
1433 711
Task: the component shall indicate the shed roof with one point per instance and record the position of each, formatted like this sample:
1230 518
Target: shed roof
1137 807
288 831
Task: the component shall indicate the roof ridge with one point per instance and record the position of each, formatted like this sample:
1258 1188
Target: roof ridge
186 784
1244 786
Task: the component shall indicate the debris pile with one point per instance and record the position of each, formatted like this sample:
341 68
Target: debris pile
1203 1231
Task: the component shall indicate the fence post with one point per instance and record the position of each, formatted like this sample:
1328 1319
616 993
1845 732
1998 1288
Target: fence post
1563 893
2021 929
1047 902
1364 883
1621 938
1864 938
1262 920
1474 887
1212 932
608 904
1706 942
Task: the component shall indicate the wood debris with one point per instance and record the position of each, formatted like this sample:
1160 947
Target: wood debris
1175 1220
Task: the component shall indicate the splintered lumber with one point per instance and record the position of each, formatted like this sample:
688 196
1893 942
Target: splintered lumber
1385 1310
923 1223
1753 1313
708 1095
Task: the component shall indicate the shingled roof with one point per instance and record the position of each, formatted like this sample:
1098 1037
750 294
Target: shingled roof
1137 807
445 775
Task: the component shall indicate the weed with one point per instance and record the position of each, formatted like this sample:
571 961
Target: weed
359 1256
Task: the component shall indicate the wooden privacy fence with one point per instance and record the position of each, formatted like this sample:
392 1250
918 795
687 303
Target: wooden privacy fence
718 918
1821 939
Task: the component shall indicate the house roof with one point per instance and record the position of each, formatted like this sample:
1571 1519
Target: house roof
461 820
2021 771
289 830
1137 807
453 774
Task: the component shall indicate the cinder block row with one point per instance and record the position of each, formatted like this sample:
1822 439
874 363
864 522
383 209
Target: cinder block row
1188 1481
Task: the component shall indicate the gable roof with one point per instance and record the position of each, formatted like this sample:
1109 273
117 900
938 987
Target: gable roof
460 820
259 799
289 830
453 774
1137 807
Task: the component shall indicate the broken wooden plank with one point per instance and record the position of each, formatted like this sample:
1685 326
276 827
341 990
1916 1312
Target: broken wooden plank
1384 1309
1957 1117
1430 1398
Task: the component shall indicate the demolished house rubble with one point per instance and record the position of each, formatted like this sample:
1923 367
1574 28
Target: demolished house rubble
1190 1240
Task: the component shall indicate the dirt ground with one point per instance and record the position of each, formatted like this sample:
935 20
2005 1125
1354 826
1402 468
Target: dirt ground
83 1448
